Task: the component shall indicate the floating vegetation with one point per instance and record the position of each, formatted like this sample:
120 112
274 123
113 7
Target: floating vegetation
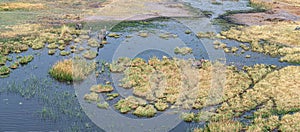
183 50
120 65
93 42
90 54
258 71
145 111
104 105
61 47
3 59
163 79
188 117
4 70
224 126
248 56
161 106
206 35
52 46
129 103
72 69
112 96
92 97
64 53
26 59
187 31
270 90
51 52
101 88
143 34
273 39
290 122
14 65
114 35
38 45
168 35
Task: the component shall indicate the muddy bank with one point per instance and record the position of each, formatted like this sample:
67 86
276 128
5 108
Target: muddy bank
276 12
140 10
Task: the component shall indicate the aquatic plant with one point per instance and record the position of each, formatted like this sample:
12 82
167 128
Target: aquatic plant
64 53
114 35
274 86
224 126
129 103
290 122
183 50
101 88
14 65
91 97
206 35
72 69
93 42
161 106
145 111
52 46
104 105
120 65
4 70
264 124
188 117
51 52
3 59
187 31
143 34
112 96
90 54
26 59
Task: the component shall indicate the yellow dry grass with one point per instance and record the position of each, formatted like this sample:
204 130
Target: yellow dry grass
20 6
281 32
20 30
281 86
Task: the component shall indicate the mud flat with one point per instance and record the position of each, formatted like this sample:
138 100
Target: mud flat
140 10
275 11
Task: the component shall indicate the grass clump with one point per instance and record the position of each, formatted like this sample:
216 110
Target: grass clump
101 88
277 39
112 96
93 42
290 123
4 70
72 69
64 53
26 59
92 97
3 59
14 65
129 103
104 105
20 6
188 117
120 65
161 106
224 126
183 51
90 55
274 87
145 111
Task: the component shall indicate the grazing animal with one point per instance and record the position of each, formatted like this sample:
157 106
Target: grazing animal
78 26
297 28
103 34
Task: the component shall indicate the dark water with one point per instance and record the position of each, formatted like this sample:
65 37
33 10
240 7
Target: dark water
40 103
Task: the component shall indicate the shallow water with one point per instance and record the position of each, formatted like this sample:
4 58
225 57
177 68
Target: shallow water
18 113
